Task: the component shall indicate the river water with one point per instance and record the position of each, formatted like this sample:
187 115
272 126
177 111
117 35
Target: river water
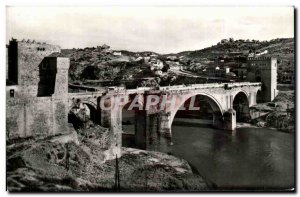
252 158
259 158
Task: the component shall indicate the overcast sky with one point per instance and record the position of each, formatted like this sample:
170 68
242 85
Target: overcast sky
159 29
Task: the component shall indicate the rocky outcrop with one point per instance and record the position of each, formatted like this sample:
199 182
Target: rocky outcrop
61 164
279 115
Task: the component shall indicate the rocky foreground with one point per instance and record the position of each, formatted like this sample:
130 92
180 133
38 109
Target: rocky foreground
42 166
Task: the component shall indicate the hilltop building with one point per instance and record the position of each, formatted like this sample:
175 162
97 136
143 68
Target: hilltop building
117 53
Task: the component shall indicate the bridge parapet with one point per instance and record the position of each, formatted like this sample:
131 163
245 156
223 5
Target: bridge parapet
241 84
203 86
85 94
165 89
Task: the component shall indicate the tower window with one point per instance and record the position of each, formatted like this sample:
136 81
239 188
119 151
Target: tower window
12 93
44 66
40 49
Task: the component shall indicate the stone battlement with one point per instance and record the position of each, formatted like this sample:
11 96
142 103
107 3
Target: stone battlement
30 41
34 46
259 58
38 46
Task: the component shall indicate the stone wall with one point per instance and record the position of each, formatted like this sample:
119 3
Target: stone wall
29 57
37 105
35 117
31 117
264 70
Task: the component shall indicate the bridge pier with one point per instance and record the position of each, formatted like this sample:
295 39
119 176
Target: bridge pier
160 135
115 137
106 112
153 131
105 118
112 119
227 121
230 120
153 134
165 124
141 129
218 121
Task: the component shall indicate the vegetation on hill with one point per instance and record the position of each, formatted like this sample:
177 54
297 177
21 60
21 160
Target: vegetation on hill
281 48
98 65
101 63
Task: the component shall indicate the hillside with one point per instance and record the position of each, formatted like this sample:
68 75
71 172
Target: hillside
281 48
98 65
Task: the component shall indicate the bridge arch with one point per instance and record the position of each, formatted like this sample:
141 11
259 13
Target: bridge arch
217 111
240 104
80 114
242 91
90 104
95 114
214 104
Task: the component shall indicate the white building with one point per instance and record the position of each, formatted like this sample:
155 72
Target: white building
117 53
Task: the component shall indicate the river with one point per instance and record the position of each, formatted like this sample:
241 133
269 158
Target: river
253 158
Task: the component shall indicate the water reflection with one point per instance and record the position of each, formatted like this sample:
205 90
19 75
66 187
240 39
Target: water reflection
251 158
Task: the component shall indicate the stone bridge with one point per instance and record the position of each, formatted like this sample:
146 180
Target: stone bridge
155 119
38 102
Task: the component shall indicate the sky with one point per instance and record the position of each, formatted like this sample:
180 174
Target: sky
158 29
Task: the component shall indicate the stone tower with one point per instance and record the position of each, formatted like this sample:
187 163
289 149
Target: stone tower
36 90
264 70
24 63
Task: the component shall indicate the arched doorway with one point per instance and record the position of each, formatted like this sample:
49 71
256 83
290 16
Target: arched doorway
258 75
241 106
259 97
258 79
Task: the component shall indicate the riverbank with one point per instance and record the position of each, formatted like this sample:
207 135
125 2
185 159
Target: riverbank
279 114
208 123
245 125
41 166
